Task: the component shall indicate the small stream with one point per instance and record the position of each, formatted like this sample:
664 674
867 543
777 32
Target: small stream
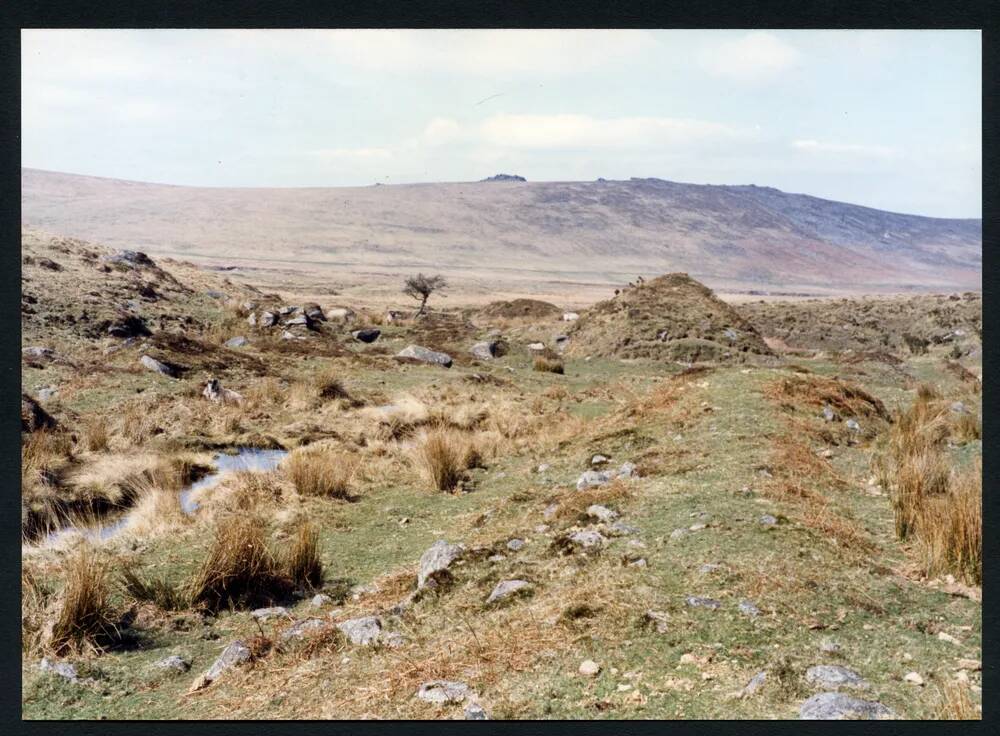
245 458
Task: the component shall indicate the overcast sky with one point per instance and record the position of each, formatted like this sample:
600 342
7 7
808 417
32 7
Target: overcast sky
886 119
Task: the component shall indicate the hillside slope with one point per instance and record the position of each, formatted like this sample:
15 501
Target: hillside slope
525 234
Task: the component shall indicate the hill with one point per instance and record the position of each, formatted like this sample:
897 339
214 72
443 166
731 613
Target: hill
503 239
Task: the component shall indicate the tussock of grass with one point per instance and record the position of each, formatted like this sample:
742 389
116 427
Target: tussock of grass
302 562
239 569
86 619
954 704
543 364
321 472
330 386
152 589
96 434
932 501
443 456
35 596
844 398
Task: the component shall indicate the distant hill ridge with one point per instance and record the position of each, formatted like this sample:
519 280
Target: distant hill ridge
596 232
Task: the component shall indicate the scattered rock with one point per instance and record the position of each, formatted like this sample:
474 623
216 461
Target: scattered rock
129 258
155 365
434 563
570 316
853 425
508 588
515 545
489 349
39 352
303 627
369 334
594 478
173 662
768 520
587 538
838 707
300 321
475 712
550 511
601 513
64 670
657 619
959 408
263 614
268 319
698 526
536 347
829 414
695 601
678 533
237 342
441 692
755 684
747 608
235 654
598 460
828 646
945 636
621 529
314 313
970 664
364 630
47 392
543 468
835 676
589 668
321 599
913 678
424 355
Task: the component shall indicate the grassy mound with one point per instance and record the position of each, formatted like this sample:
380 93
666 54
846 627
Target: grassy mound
672 317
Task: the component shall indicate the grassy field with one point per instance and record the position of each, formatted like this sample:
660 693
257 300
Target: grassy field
743 494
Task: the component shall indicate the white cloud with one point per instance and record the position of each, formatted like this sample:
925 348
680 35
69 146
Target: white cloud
583 131
757 55
441 130
358 154
809 145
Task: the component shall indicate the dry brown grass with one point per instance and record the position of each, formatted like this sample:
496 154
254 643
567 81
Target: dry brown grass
96 434
329 385
443 456
937 505
156 590
810 391
968 428
573 504
85 619
35 596
543 364
319 471
302 562
239 569
954 704
135 423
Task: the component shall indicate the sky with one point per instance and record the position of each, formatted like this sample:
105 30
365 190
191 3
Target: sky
887 119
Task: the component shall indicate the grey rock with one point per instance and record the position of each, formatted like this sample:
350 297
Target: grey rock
748 608
852 425
475 712
155 365
594 478
252 319
709 567
959 408
346 314
755 684
364 630
621 529
47 392
300 321
489 349
730 333
678 533
543 468
441 692
570 316
268 319
303 627
213 294
550 511
369 334
286 335
263 614
834 676
321 599
314 312
237 342
64 670
515 544
496 558
130 258
601 513
587 539
829 414
434 563
837 707
173 662
695 601
598 460
828 646
508 588
287 310
36 351
235 654
768 520
536 347
424 355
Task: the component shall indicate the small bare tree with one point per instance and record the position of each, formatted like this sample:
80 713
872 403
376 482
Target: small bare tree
421 287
